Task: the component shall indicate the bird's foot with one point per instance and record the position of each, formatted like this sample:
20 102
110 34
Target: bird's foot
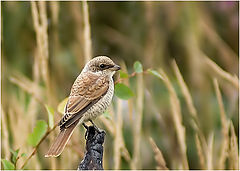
95 127
87 128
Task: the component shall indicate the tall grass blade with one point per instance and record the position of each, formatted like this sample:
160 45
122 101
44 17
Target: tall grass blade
136 164
224 122
210 152
233 150
223 74
200 152
177 119
117 138
86 33
185 90
161 164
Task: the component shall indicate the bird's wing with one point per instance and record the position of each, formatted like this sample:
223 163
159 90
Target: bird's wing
86 91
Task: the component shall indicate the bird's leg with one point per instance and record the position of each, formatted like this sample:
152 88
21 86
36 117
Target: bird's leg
94 126
86 127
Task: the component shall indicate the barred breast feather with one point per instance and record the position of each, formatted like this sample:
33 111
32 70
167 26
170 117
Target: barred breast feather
100 107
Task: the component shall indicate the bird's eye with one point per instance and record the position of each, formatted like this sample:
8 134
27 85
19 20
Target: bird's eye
102 66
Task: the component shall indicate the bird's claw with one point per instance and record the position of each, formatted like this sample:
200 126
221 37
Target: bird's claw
95 127
87 128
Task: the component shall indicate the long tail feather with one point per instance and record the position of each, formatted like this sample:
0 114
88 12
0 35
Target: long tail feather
61 141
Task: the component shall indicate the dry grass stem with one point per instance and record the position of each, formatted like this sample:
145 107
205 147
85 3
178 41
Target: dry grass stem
108 124
79 44
233 150
185 90
36 68
177 119
117 138
111 127
119 145
227 55
125 152
5 137
41 25
135 164
54 6
225 75
224 122
24 83
161 164
200 152
43 46
87 33
209 152
41 28
33 106
190 105
201 139
151 34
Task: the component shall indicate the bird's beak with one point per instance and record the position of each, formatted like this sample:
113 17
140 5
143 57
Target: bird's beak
116 68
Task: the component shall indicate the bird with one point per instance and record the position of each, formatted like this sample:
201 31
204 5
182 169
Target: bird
90 96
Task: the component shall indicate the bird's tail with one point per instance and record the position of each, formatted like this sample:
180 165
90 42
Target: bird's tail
61 141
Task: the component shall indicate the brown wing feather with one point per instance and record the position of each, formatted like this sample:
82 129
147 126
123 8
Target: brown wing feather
86 90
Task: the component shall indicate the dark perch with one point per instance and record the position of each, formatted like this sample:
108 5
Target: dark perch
94 150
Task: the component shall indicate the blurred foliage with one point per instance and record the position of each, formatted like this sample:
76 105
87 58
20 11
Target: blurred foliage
122 91
38 133
152 33
7 165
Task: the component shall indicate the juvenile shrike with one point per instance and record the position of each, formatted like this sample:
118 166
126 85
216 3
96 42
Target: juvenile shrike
90 96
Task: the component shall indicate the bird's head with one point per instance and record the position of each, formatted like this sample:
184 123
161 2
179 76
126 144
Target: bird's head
102 65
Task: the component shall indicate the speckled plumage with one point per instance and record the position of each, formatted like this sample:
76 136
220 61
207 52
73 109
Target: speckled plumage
87 88
101 106
101 92
90 96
